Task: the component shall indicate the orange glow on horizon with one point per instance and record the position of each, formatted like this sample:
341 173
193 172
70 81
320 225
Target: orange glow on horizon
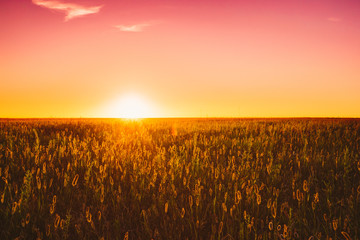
187 59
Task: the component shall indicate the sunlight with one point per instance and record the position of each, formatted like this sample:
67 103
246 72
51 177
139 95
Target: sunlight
131 106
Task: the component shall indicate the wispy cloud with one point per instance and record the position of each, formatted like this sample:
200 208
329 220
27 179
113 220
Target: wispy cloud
71 10
133 28
334 19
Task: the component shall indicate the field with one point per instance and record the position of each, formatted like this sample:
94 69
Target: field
180 179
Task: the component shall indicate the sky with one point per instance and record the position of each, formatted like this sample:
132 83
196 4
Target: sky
180 58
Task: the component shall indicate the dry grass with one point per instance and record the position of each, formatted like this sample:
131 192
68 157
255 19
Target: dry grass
179 179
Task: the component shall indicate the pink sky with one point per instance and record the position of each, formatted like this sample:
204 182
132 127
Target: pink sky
188 58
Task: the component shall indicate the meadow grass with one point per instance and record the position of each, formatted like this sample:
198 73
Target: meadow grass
180 179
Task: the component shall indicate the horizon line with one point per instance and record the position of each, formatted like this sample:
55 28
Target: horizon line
154 118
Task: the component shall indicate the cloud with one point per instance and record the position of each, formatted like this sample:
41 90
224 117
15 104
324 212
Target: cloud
133 28
334 19
71 10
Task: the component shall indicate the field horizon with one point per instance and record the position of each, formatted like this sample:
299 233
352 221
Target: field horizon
180 120
175 118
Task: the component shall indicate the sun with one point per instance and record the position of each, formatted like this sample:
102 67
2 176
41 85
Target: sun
129 105
132 106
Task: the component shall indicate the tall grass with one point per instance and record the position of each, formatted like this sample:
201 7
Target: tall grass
180 179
